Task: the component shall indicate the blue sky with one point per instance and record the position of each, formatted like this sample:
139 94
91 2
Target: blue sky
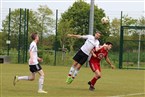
113 8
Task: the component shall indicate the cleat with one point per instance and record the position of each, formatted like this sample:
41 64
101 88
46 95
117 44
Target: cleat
15 80
42 91
69 80
91 88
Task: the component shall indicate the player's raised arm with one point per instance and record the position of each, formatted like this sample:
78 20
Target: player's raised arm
73 35
100 47
92 52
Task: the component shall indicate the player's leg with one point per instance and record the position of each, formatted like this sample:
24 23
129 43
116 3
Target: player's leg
83 58
96 77
76 71
71 71
97 71
18 78
78 67
41 80
80 58
30 78
76 59
94 80
70 79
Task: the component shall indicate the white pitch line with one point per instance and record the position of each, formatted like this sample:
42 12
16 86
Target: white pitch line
135 94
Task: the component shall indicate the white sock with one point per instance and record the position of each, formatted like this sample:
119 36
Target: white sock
75 73
71 70
41 80
23 77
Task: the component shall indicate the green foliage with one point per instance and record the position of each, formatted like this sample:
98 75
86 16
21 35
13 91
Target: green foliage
39 21
13 56
79 13
115 27
128 21
78 16
115 40
141 21
44 15
64 28
2 52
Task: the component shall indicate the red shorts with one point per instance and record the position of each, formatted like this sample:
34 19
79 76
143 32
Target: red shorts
94 66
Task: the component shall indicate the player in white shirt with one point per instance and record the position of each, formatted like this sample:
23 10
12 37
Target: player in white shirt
33 65
82 55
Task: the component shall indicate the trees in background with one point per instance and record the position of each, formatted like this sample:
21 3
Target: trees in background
129 34
40 21
76 20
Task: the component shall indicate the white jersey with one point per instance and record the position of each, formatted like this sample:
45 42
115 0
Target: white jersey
33 48
89 44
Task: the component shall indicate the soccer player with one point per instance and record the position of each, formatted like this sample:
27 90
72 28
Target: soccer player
34 65
82 55
94 63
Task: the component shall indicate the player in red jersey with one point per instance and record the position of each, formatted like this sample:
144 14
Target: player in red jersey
94 63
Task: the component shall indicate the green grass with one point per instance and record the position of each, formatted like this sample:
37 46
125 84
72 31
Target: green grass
113 82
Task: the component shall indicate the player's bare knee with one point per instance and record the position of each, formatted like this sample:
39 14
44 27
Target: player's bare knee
99 76
42 76
31 78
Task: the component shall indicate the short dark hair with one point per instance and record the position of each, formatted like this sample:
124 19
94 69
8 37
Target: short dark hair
108 43
33 36
98 32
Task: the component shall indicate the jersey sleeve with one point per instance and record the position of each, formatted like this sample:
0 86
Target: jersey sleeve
97 45
32 47
85 36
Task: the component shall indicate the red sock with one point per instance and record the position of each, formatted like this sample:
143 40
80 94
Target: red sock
93 81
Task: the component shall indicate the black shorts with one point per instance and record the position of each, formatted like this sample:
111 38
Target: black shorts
80 57
35 68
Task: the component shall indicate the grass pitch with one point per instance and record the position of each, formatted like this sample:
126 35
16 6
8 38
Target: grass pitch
114 83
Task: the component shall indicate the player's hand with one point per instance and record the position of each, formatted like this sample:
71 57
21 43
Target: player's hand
40 60
104 45
112 66
94 55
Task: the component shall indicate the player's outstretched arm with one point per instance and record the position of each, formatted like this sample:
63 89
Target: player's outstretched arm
100 47
93 54
73 35
109 62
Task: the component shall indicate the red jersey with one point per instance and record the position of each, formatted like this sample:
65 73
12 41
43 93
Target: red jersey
100 54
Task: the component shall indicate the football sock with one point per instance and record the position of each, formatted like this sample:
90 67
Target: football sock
23 77
93 81
41 80
75 73
71 71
